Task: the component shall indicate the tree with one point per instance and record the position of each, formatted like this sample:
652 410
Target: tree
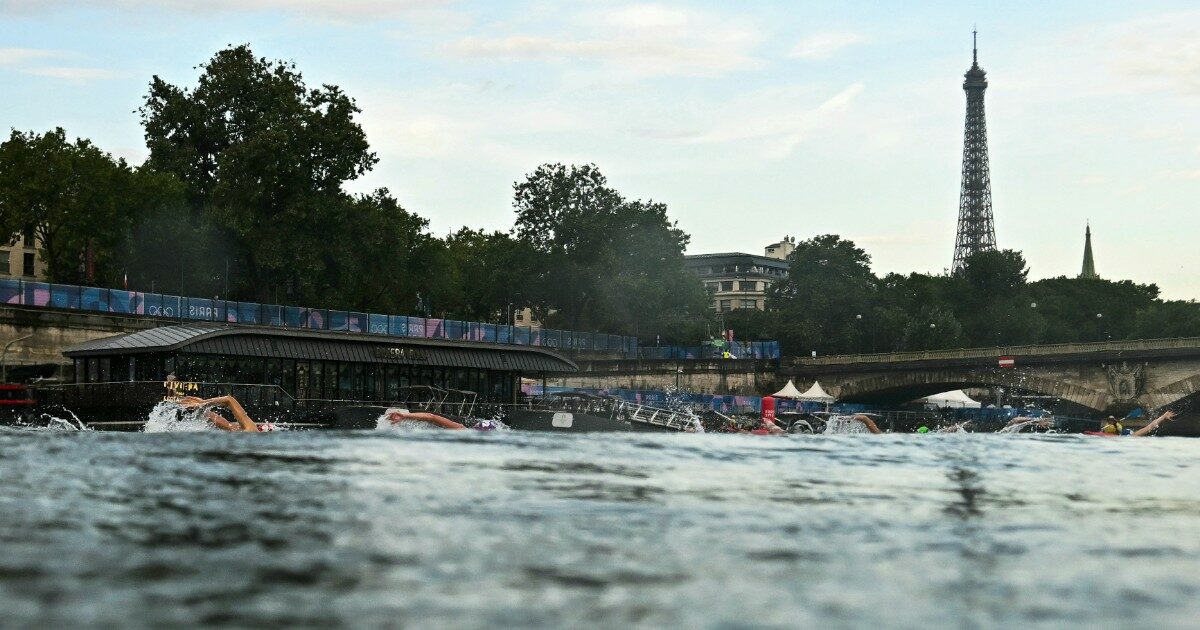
486 275
379 256
933 328
829 284
76 199
602 262
263 158
994 303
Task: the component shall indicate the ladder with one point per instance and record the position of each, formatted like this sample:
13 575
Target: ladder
666 418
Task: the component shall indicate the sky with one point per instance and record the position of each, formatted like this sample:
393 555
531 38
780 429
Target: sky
750 120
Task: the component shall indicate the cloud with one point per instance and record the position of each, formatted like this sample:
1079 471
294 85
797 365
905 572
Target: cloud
338 9
16 56
70 73
663 57
638 40
20 59
1160 51
776 120
823 45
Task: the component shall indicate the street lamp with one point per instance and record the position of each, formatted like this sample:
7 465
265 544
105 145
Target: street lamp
4 358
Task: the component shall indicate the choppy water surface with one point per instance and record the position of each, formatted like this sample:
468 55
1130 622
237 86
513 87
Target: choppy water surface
462 529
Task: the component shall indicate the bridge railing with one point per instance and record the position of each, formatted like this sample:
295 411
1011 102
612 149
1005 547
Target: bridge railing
1002 351
176 308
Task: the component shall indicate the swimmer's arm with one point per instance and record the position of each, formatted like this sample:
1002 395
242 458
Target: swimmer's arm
231 403
1153 426
431 418
868 422
221 423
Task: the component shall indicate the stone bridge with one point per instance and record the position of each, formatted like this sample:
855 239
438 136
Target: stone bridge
1100 377
1105 376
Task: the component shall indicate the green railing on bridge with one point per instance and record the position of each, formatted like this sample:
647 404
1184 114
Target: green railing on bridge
1182 343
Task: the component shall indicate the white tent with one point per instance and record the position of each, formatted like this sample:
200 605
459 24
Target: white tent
817 393
788 391
956 399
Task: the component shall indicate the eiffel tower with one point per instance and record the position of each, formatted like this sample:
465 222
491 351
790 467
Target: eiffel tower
976 232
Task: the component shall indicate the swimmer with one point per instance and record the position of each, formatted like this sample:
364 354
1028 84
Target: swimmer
400 415
1146 430
768 427
868 422
1019 423
244 423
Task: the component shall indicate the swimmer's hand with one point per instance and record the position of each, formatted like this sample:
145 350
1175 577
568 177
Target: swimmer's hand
1167 415
190 402
400 416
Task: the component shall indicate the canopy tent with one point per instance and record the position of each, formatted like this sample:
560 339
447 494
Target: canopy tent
817 393
788 391
956 399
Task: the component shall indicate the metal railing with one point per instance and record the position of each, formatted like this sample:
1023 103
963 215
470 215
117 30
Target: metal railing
1001 351
170 307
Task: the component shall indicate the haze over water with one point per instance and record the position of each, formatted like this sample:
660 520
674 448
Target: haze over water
463 529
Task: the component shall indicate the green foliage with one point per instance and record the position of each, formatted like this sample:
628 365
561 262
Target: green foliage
829 285
988 303
263 159
486 275
243 197
73 197
600 261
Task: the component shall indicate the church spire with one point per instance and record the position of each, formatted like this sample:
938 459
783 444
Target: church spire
1089 263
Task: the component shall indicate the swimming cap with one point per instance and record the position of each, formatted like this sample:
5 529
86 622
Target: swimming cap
486 425
265 427
923 429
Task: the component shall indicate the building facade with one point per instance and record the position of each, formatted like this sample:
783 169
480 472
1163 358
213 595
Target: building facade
19 258
740 281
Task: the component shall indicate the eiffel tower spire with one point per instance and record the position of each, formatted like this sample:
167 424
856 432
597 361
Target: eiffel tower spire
1089 263
976 231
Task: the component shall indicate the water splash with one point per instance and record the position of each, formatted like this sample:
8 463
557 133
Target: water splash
384 423
55 423
1016 428
844 424
171 417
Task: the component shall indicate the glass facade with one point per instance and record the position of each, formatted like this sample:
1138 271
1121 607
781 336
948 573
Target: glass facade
301 379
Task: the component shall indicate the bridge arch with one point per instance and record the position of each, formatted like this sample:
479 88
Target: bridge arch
894 387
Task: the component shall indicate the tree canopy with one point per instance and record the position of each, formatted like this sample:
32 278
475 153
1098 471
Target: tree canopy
243 196
263 158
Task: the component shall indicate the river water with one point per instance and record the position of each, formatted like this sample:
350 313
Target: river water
501 529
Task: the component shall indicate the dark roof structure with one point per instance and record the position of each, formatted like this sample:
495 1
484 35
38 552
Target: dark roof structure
325 346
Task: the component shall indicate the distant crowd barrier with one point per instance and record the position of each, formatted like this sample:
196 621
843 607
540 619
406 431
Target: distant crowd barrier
115 301
738 350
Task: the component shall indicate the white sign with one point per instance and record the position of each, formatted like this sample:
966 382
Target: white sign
562 420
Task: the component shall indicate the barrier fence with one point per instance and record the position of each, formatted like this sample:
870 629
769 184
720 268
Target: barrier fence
116 301
738 350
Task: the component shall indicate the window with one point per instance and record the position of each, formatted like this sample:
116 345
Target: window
520 316
747 285
749 304
727 285
725 305
711 286
5 267
29 262
28 237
